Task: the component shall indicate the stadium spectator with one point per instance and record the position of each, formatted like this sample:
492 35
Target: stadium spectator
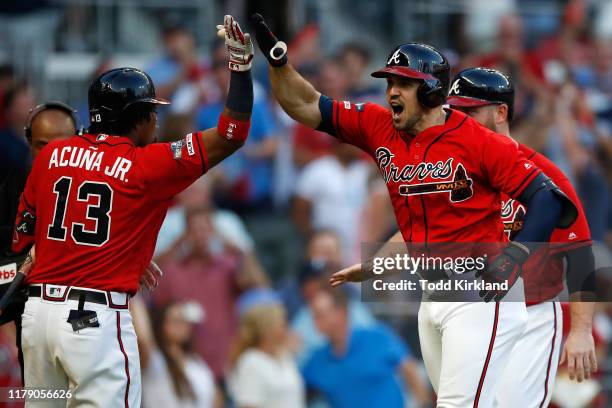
211 272
511 57
14 151
331 193
173 375
309 144
573 144
338 80
226 223
263 373
7 79
323 257
378 219
305 47
355 59
15 160
178 74
10 374
359 367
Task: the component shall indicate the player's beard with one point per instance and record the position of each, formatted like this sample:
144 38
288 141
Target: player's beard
410 122
489 121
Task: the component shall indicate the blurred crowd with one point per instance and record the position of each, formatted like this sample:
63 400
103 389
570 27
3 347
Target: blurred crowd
243 315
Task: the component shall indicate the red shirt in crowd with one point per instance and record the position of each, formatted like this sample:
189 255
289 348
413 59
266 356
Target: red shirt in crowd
211 283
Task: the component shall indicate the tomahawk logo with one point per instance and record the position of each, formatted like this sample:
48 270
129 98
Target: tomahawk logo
460 187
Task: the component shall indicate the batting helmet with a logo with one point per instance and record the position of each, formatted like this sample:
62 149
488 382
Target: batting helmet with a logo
420 61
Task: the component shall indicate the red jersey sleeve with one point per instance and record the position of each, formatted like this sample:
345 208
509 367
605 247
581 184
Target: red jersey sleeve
169 168
355 123
507 168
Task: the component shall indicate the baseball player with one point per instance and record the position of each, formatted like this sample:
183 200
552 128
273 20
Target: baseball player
416 144
93 206
46 122
487 95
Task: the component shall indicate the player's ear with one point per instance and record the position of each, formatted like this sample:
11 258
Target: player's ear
501 113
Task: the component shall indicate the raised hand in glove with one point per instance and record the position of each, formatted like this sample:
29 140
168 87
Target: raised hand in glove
506 267
273 49
238 44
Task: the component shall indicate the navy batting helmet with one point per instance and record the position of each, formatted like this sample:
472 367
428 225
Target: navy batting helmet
115 90
482 86
420 61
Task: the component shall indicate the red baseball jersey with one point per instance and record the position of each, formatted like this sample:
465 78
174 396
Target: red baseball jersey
445 183
98 202
543 272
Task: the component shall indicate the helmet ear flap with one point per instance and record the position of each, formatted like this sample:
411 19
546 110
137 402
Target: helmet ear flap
431 93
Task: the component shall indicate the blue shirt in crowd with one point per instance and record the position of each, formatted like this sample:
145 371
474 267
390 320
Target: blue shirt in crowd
258 173
365 376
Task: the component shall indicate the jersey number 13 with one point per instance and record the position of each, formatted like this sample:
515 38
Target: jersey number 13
100 212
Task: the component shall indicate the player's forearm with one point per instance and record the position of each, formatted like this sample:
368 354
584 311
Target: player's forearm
239 102
296 96
234 122
581 316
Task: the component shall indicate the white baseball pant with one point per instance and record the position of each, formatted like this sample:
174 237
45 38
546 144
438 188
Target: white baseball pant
530 374
100 365
466 346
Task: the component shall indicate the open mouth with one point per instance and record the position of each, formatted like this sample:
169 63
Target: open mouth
397 109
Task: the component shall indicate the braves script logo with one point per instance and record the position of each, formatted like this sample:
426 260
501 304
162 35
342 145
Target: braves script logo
391 172
459 187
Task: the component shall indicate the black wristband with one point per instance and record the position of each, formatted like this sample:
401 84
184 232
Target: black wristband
240 94
580 271
274 50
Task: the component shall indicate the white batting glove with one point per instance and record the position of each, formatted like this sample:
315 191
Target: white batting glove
238 44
